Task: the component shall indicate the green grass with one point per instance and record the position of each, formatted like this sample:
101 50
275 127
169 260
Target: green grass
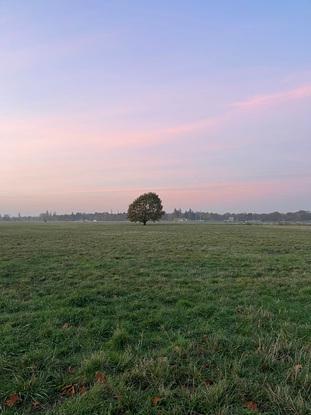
178 319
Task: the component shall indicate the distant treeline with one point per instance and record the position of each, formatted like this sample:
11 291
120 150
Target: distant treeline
177 215
299 216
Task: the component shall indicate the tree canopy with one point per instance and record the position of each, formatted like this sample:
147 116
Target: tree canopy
145 208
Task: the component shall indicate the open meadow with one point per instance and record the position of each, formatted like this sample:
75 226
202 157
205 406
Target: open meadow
165 319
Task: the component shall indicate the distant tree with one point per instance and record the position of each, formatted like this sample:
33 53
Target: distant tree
146 207
177 213
189 214
45 216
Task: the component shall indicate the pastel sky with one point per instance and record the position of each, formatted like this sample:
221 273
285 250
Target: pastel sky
207 103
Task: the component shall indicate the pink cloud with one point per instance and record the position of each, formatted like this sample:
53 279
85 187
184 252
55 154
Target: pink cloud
41 156
51 133
261 101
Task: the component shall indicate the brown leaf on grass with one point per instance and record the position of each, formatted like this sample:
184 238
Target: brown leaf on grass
208 382
297 369
69 390
12 400
155 400
252 406
66 326
100 377
82 389
36 405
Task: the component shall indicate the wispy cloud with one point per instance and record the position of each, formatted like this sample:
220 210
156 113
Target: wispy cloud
54 132
261 101
47 139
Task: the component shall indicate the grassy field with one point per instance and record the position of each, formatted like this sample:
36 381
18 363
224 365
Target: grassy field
162 319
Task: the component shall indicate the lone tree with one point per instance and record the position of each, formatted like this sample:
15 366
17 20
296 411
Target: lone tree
146 207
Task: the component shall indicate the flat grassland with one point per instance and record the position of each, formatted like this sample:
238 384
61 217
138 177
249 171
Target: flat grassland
163 319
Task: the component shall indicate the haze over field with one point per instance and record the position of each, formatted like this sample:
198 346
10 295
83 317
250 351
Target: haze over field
206 103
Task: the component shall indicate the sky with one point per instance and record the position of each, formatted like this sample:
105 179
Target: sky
207 103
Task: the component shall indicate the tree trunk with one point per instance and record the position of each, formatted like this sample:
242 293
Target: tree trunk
144 222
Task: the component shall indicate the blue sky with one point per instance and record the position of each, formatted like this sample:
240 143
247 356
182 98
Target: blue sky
207 103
